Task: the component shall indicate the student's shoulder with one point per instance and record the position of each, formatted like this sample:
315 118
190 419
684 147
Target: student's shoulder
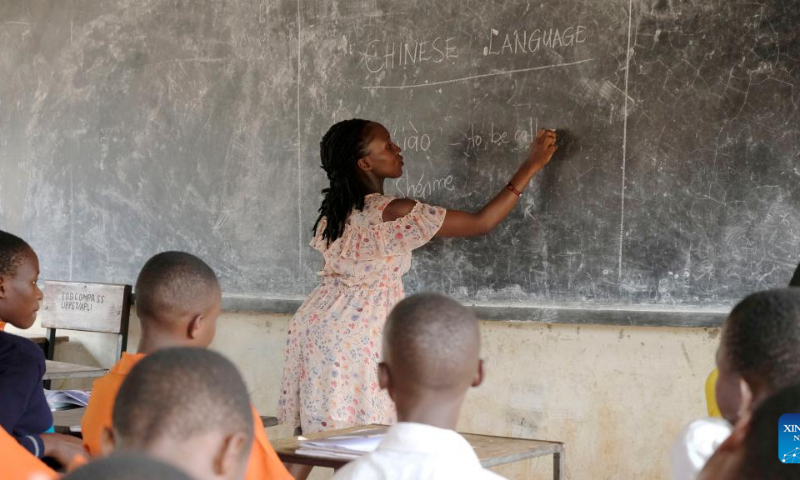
106 386
14 347
695 445
360 469
709 430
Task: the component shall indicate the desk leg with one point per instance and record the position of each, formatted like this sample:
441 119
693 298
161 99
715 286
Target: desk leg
559 467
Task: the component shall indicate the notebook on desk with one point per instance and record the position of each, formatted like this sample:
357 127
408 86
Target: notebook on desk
346 447
66 399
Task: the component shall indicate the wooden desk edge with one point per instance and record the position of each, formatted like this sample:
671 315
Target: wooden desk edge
539 448
286 448
88 373
39 340
310 460
517 457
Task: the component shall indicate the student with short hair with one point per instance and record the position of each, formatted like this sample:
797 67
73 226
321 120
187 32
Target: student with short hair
758 353
757 356
752 450
711 380
128 467
178 300
188 407
24 412
431 357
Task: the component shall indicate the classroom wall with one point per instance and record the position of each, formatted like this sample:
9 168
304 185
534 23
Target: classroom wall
617 396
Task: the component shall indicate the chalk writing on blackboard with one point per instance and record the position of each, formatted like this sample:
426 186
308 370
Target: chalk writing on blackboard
411 139
380 56
422 188
523 41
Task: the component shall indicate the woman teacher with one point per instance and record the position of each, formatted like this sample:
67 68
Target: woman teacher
366 238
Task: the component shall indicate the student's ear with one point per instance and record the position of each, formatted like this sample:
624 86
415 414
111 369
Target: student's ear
742 427
194 327
479 375
363 164
2 286
231 456
746 399
385 378
107 441
736 439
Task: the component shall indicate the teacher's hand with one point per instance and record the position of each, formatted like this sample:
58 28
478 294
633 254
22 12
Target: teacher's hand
542 149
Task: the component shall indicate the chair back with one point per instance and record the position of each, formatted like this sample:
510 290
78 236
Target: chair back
87 307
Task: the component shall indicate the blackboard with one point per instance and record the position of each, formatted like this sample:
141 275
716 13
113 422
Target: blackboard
130 127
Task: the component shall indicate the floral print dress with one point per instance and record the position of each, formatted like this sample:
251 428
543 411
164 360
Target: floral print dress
330 376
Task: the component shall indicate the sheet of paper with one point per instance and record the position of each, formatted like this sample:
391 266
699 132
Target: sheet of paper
64 399
325 454
357 443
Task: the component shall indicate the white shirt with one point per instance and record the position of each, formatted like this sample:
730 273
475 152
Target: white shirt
414 451
695 445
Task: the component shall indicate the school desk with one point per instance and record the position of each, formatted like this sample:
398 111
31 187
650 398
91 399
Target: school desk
42 341
68 421
61 370
491 451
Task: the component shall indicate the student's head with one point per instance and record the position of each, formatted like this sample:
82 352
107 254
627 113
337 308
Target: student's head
178 295
752 449
188 407
127 467
19 271
355 153
431 352
758 352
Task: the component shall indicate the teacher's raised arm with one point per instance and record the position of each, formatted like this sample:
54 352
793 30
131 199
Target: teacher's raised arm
458 223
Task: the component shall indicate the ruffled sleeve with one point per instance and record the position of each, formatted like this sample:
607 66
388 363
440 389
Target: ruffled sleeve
397 237
318 243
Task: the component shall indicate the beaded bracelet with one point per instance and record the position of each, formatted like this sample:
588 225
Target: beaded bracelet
513 190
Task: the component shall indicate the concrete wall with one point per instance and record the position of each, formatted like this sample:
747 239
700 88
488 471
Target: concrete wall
616 396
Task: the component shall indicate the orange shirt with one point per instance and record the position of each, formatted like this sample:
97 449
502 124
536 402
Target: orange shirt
2 325
101 402
263 463
16 463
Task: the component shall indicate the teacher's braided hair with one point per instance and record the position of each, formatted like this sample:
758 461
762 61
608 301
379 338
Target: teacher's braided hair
340 148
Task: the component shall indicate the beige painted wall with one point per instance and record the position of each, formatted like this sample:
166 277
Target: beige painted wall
616 396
